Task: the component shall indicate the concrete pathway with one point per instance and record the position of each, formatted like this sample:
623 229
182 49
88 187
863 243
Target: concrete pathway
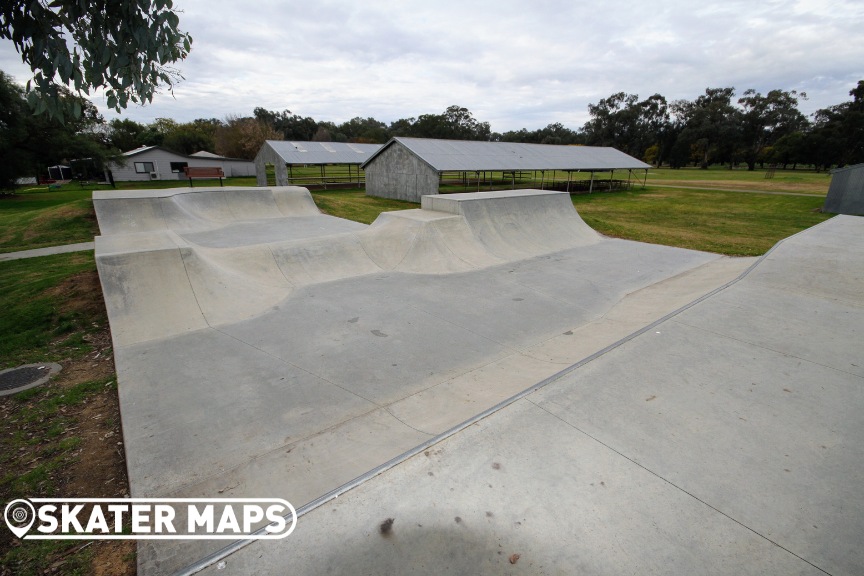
49 251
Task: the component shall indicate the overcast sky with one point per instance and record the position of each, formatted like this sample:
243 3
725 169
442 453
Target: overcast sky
513 63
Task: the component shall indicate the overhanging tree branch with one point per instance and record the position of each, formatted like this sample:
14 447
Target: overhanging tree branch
125 47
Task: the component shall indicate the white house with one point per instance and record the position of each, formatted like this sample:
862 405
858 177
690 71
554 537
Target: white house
157 163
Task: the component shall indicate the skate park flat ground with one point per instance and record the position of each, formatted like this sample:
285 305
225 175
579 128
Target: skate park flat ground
629 423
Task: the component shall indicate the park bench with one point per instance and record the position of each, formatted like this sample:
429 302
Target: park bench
203 172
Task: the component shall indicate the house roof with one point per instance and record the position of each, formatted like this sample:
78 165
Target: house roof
459 155
297 152
196 156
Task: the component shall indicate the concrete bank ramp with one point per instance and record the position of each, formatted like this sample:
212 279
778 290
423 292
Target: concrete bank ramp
186 259
286 356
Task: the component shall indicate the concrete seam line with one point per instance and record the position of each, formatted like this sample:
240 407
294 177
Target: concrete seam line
676 486
214 557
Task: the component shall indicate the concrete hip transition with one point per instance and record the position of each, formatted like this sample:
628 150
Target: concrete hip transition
486 382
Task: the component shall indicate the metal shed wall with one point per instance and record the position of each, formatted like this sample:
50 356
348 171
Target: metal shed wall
846 193
398 173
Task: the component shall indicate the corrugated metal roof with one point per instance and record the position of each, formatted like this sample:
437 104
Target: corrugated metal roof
322 152
459 155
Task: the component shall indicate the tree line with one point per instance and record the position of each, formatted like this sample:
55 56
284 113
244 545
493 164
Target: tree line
716 127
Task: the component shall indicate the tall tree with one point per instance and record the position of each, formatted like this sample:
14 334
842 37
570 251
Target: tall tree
291 126
365 130
837 136
455 123
126 47
125 134
614 122
709 125
766 119
190 137
243 137
13 130
29 143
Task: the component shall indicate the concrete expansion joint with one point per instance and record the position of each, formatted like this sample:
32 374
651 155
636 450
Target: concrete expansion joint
763 347
672 484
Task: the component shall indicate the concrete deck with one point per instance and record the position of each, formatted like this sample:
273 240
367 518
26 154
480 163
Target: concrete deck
725 439
349 349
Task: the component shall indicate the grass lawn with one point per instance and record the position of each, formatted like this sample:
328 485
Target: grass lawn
800 181
42 217
355 205
724 222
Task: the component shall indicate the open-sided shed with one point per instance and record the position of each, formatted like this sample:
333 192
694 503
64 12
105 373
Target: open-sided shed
343 159
846 193
408 168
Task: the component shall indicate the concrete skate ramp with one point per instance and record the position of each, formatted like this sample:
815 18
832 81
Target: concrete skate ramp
192 259
251 364
182 209
520 223
726 438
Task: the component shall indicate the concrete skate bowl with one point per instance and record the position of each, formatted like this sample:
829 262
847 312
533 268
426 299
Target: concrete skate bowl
265 349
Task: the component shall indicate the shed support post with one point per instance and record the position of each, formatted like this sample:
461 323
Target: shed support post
569 176
645 181
591 185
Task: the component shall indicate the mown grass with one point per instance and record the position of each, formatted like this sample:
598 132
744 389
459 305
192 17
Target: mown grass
723 222
355 205
42 217
37 323
799 181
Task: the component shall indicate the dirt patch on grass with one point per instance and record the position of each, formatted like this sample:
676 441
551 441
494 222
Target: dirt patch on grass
67 436
766 185
81 294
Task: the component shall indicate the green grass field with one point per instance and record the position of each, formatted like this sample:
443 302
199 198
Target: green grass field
799 181
679 207
732 223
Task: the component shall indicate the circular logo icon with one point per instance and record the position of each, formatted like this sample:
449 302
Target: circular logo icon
19 515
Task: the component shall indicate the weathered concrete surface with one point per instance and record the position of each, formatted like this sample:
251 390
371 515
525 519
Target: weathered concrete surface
725 439
289 365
